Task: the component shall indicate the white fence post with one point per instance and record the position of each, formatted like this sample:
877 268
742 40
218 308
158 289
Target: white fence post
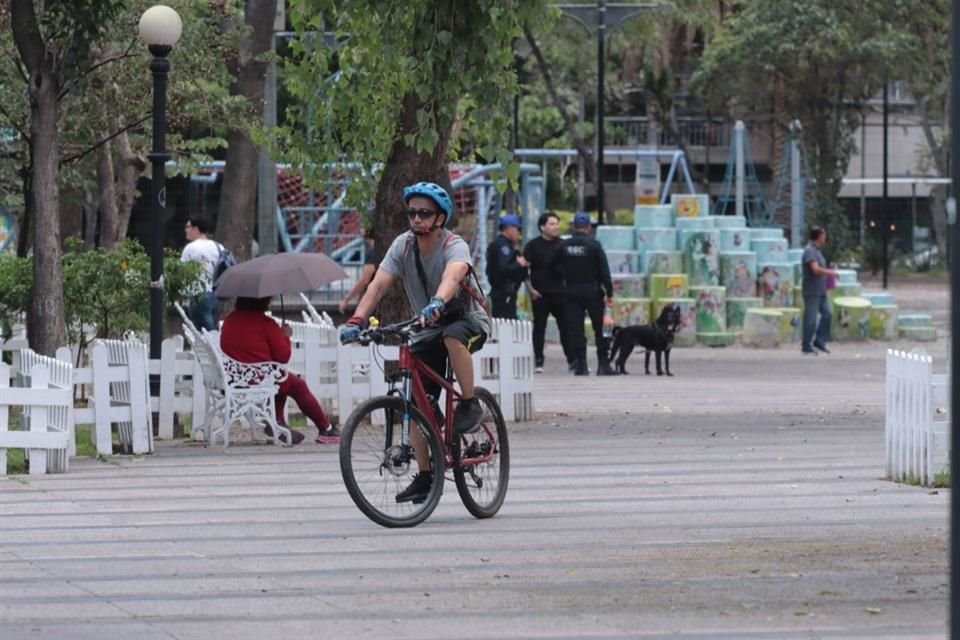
46 407
917 444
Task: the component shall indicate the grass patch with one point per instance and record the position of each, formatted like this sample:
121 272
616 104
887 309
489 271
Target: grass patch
17 463
941 480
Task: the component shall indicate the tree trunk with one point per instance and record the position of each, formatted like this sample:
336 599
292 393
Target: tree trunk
107 196
238 203
938 218
45 318
404 166
131 166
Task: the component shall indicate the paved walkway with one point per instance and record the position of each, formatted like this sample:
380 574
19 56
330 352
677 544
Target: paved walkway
740 499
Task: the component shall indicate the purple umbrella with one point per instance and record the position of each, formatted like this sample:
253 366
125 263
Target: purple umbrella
276 274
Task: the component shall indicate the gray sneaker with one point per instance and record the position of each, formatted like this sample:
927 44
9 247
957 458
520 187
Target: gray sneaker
467 416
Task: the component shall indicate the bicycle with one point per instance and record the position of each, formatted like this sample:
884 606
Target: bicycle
377 455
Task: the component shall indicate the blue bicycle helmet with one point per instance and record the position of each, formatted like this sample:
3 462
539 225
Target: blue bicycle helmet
433 191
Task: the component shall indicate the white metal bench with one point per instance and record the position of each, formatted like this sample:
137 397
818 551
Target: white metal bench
236 390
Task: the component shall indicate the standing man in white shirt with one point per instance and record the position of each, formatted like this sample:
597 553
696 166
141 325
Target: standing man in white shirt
203 312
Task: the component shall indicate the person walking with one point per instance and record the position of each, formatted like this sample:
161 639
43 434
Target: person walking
200 248
546 287
816 332
506 268
586 273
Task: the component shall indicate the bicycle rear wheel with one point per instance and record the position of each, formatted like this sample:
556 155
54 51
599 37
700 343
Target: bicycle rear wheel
376 467
482 461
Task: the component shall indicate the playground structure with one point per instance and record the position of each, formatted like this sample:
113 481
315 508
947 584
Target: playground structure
320 220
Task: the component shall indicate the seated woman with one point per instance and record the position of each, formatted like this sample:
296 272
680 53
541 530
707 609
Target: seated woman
249 335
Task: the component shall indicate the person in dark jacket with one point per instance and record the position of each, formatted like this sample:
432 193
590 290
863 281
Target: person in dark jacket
546 287
588 288
506 268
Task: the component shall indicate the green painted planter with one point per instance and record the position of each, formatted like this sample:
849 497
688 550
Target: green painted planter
711 306
882 321
791 324
721 339
652 215
734 239
851 318
738 273
768 250
694 224
767 233
878 297
919 334
655 239
737 311
662 262
630 311
729 222
623 261
616 238
761 328
845 291
846 276
672 285
775 284
629 285
690 205
687 335
701 256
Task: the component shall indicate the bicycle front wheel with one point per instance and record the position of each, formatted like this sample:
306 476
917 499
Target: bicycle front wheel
377 467
482 461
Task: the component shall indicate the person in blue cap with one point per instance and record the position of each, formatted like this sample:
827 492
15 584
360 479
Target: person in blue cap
506 268
586 273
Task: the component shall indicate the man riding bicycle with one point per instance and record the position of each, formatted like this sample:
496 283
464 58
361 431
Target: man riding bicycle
435 265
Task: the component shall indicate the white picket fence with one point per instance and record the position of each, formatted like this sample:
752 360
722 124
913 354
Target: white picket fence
46 431
917 424
116 386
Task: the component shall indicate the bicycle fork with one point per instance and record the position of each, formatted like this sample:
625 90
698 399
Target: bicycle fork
398 456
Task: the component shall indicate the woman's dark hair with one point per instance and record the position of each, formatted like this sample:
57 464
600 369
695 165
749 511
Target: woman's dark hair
816 232
253 304
542 220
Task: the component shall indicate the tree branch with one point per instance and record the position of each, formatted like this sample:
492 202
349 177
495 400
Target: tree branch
93 148
6 114
94 67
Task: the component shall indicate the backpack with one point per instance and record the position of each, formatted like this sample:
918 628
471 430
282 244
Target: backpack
225 260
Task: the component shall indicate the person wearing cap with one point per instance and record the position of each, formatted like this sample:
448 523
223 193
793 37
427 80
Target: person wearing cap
506 268
435 267
589 287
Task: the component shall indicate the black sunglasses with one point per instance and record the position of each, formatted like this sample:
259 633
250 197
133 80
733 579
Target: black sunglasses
423 214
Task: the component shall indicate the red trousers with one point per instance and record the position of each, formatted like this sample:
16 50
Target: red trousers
295 387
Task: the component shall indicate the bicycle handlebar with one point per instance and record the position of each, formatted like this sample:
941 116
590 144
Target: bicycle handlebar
401 329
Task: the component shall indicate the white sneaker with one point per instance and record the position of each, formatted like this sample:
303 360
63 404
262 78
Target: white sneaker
538 369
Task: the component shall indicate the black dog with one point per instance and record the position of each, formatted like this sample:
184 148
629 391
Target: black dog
656 337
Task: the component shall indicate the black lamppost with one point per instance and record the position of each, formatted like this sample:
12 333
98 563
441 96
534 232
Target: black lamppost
604 14
160 28
954 254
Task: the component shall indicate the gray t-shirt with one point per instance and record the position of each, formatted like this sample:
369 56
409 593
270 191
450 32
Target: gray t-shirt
813 285
400 262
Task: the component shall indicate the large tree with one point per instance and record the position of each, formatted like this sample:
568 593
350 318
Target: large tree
248 68
100 133
415 78
53 40
821 59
